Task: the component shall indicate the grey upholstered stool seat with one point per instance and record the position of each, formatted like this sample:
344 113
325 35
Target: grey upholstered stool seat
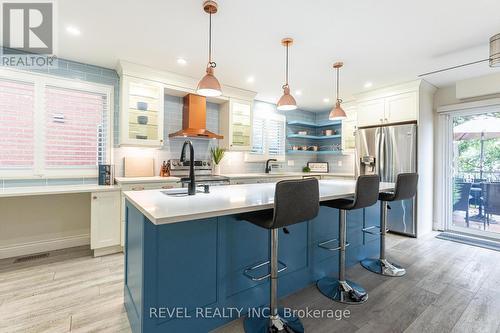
342 290
405 188
295 201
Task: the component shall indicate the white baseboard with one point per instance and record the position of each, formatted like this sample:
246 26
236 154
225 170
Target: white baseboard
107 250
43 246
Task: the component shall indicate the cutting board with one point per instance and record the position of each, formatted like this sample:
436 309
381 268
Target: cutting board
138 167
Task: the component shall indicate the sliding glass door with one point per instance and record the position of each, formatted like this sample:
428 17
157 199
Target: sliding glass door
475 173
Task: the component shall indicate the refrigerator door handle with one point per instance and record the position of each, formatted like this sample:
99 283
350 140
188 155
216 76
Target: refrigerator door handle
381 154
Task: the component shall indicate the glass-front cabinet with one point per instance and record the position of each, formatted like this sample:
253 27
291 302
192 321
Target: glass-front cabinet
142 112
236 124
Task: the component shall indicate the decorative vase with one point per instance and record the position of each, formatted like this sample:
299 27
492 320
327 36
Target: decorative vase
216 170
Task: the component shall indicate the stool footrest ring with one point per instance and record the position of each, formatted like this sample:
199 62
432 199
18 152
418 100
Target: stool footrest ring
247 272
324 246
368 230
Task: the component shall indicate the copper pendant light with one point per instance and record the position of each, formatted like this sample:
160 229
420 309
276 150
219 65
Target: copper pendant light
337 112
209 85
286 102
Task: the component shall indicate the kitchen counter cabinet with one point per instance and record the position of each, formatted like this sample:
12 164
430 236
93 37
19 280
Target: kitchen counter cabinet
190 252
105 222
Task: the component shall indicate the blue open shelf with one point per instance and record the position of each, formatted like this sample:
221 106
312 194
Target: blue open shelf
312 124
311 152
314 137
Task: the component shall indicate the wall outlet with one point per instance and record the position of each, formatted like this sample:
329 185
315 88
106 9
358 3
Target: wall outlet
339 163
291 163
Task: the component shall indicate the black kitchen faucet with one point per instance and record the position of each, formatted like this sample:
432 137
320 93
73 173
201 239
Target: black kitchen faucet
191 184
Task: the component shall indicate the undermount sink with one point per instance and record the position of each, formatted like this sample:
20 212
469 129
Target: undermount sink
179 192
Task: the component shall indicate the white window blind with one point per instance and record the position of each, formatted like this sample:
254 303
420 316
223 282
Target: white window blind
52 127
75 121
258 129
17 104
268 136
275 137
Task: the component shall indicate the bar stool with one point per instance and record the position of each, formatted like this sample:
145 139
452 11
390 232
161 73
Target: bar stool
342 290
294 201
406 188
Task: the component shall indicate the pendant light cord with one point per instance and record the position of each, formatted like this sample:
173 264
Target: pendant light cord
338 74
210 62
286 68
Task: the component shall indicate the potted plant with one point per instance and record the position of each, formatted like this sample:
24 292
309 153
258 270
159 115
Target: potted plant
217 155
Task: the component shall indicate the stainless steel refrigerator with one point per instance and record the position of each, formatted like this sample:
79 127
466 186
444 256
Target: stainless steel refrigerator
387 151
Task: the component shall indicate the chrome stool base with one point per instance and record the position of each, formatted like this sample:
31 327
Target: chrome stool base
346 292
267 324
383 267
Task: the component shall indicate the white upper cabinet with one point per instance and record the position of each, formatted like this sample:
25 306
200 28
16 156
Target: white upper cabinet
235 124
141 113
402 107
389 105
371 112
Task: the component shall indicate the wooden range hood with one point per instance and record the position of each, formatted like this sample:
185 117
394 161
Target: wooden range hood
194 119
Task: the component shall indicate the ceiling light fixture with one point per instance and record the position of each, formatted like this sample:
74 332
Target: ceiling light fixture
298 92
181 61
368 85
286 102
337 112
250 79
73 30
326 100
209 85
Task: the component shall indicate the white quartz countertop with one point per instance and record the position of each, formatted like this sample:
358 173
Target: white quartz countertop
284 174
145 180
160 208
53 189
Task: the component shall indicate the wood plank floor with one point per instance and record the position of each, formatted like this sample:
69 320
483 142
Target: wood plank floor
449 287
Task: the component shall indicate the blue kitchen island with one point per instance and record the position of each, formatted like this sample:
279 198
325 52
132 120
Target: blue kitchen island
185 255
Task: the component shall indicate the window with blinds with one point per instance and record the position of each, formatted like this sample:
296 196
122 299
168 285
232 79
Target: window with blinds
52 127
268 136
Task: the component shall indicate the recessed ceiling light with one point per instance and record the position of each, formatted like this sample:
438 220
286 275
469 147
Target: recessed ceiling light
298 92
251 79
326 100
368 84
73 30
181 61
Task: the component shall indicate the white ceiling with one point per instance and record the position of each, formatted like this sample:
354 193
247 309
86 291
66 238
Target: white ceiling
385 41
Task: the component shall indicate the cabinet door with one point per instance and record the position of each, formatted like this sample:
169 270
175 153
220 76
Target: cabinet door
105 220
402 107
142 113
240 124
371 112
